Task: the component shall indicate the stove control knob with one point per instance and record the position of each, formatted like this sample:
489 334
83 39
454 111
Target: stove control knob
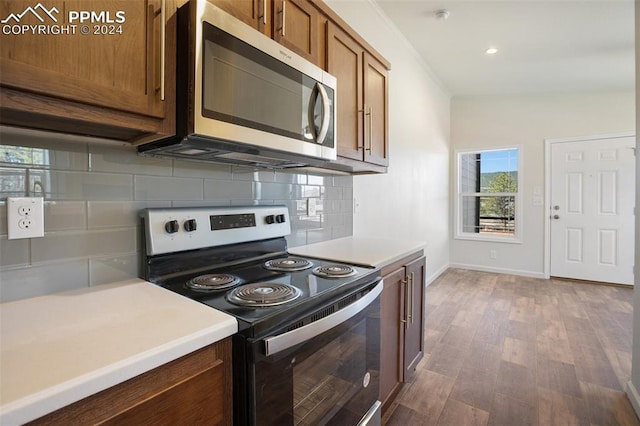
280 218
270 219
172 227
190 225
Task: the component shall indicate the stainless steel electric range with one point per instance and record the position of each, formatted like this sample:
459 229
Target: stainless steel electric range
307 350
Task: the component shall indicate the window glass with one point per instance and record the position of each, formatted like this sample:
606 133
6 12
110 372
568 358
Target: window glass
488 184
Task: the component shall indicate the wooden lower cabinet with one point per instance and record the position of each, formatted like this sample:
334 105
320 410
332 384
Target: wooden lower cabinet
194 389
402 324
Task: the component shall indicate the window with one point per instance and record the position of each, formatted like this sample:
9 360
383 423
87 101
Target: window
488 201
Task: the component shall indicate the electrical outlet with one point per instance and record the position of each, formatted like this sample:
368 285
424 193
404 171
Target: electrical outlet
25 216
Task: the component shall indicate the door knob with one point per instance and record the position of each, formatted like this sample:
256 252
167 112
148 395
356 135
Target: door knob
556 207
556 216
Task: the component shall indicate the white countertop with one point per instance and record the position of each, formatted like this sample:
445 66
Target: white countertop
377 252
60 348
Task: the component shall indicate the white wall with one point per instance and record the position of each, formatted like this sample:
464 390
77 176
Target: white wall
483 122
411 201
634 384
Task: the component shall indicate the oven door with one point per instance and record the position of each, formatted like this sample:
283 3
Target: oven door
326 372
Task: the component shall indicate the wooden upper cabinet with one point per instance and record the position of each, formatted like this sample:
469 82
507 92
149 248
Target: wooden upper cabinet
295 26
376 132
362 102
344 61
252 12
103 76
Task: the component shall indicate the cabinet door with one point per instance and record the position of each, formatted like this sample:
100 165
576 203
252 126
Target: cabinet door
391 335
295 26
112 65
344 61
414 326
194 389
376 115
252 12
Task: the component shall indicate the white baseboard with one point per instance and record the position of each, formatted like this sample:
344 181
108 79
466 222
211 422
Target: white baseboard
431 278
634 397
484 268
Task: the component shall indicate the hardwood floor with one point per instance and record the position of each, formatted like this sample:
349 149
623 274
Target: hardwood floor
510 350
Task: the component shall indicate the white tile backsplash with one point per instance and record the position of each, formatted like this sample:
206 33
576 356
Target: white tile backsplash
62 185
94 194
13 253
65 215
228 190
199 170
104 270
113 214
167 188
105 158
43 279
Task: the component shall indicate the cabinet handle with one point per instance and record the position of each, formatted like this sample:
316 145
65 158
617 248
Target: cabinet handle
370 114
411 284
264 12
405 320
163 47
284 16
364 115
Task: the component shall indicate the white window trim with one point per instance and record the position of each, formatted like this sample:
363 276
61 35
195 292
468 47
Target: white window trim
458 233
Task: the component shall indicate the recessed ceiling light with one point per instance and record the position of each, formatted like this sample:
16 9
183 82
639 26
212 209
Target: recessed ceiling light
441 14
491 51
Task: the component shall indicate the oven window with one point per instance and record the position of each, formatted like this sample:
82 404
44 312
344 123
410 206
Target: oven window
331 379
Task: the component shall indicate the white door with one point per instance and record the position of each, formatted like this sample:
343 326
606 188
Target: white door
592 202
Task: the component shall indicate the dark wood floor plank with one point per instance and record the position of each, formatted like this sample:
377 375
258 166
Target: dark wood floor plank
508 350
558 376
519 352
475 388
509 411
458 336
521 330
446 360
457 413
403 416
560 409
608 407
592 366
428 394
483 356
555 349
518 382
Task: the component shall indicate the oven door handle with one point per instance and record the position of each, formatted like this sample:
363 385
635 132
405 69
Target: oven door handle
289 339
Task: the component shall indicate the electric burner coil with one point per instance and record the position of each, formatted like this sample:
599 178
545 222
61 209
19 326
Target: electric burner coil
334 271
288 264
212 282
262 295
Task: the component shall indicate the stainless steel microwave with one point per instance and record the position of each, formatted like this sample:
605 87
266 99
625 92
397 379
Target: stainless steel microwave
242 98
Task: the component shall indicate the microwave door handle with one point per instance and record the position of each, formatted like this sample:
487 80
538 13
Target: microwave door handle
326 114
311 118
275 344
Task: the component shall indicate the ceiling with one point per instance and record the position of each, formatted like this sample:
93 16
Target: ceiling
544 46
